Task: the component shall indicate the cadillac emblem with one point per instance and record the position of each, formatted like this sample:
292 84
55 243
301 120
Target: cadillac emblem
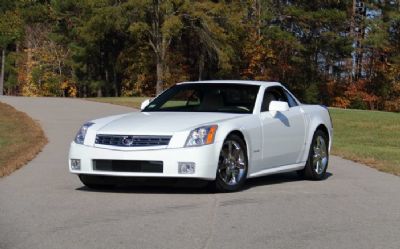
127 140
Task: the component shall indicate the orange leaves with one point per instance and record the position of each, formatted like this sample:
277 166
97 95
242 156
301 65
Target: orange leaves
43 68
354 95
357 90
341 102
392 105
257 52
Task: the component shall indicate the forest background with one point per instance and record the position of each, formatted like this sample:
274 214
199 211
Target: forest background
339 53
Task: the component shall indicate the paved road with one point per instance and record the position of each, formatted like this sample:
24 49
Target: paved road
43 206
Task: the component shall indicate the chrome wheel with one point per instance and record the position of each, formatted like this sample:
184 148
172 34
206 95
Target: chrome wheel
232 164
320 156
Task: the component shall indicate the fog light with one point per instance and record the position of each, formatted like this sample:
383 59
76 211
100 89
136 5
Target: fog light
186 167
76 164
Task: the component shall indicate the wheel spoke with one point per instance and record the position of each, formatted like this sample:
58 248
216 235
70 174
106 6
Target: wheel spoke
230 149
318 168
323 150
240 165
236 154
316 163
233 178
324 161
223 166
224 154
225 178
318 142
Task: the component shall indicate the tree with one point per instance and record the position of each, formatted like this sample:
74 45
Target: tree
10 31
343 53
208 29
158 23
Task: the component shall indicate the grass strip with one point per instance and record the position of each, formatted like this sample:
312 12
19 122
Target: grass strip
21 139
368 137
134 102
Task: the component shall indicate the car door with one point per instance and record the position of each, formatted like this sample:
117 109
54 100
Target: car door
283 135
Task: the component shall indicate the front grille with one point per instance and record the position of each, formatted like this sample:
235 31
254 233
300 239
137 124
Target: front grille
132 140
128 166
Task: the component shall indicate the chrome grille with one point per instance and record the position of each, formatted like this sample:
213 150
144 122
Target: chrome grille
132 140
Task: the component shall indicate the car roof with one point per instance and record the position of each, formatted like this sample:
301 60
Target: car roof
245 82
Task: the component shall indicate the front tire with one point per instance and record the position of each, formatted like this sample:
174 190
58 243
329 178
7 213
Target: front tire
318 157
232 165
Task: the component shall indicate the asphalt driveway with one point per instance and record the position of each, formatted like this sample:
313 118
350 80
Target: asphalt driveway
43 206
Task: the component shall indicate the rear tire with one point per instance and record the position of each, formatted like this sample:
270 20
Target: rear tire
232 165
318 158
94 182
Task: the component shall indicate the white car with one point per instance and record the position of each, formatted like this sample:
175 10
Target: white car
221 131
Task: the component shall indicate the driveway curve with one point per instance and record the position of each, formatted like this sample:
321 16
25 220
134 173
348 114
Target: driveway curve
43 206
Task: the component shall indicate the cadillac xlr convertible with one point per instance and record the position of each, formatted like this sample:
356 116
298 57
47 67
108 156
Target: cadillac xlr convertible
220 131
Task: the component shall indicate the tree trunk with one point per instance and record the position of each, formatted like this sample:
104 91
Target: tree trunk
160 73
60 78
29 57
358 33
99 93
107 94
3 61
116 92
201 65
158 44
16 90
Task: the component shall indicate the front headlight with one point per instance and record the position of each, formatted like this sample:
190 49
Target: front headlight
80 136
201 136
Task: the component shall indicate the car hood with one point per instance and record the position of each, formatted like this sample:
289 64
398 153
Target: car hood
160 123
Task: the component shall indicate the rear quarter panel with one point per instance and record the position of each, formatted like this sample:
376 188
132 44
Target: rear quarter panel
316 115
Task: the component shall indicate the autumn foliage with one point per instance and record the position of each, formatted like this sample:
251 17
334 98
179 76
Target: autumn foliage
326 52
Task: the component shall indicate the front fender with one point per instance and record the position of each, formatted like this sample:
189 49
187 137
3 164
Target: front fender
250 128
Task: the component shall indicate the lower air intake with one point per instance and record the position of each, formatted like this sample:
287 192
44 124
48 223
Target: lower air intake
128 166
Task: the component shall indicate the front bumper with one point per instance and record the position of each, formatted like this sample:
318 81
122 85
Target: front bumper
205 158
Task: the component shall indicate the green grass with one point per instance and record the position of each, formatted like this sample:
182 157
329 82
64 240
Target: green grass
369 137
21 139
125 101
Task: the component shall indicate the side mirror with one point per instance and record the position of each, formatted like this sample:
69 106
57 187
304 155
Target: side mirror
144 104
278 106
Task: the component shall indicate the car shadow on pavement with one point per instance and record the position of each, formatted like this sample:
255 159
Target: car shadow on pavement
141 189
155 186
281 178
187 186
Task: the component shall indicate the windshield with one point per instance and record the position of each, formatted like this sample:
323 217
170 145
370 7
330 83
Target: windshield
206 97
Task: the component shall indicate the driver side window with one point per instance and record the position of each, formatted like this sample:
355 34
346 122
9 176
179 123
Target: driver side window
275 93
